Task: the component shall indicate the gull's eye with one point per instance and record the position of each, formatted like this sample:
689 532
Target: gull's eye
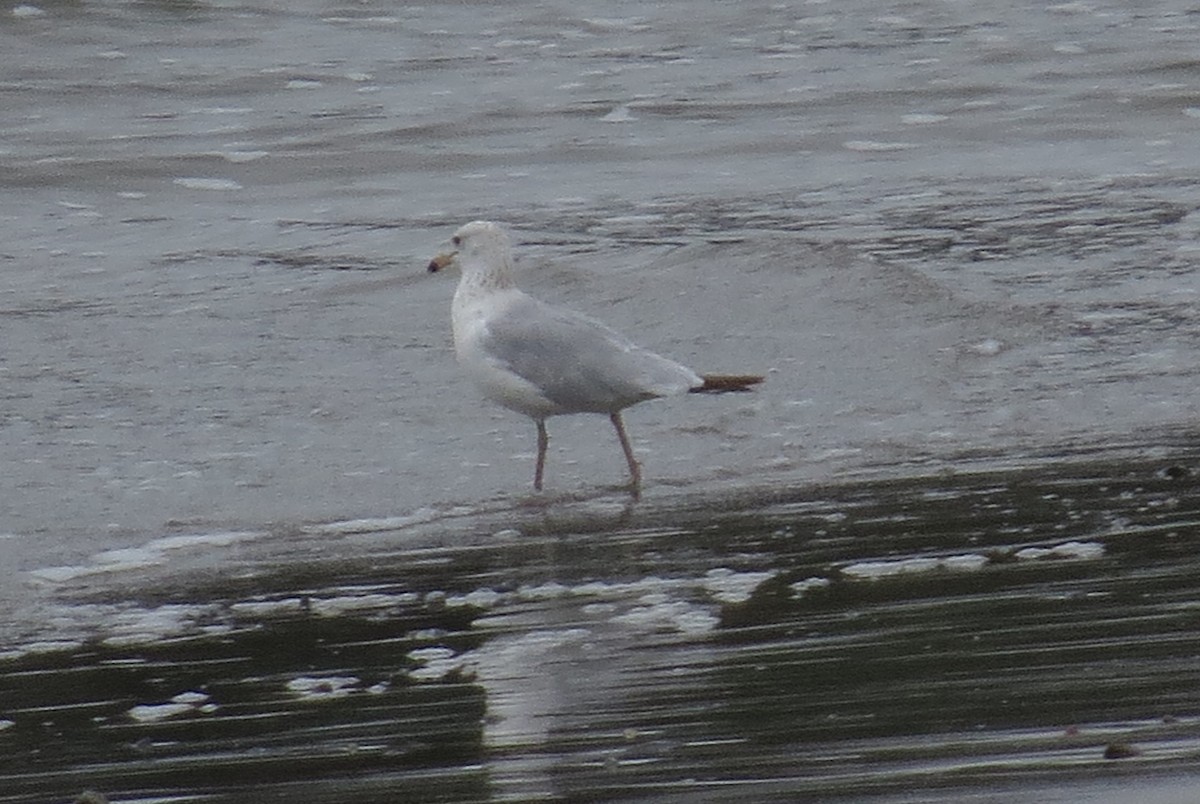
456 240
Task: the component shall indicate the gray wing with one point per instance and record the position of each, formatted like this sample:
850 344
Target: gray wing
578 363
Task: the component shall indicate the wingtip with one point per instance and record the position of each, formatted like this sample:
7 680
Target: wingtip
726 383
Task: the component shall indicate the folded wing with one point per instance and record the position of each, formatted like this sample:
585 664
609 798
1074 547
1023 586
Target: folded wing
578 363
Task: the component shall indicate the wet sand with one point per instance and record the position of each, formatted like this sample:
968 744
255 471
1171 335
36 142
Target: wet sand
995 635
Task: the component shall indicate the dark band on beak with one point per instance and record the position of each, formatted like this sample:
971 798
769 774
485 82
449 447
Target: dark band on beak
441 261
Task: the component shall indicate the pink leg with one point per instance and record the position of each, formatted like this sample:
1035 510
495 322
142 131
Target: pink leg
635 471
543 442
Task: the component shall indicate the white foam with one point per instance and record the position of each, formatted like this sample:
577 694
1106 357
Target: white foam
112 561
545 591
217 539
729 586
799 588
223 109
322 687
268 608
425 634
152 713
918 119
431 654
1069 48
151 554
835 453
615 24
130 640
505 44
696 621
376 524
436 671
336 606
968 562
128 558
182 704
1066 550
142 626
194 698
203 183
62 574
242 156
51 646
667 616
507 533
1073 7
436 663
869 146
483 598
874 570
989 347
620 114
634 220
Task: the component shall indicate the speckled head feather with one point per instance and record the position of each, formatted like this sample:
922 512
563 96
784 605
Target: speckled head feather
481 250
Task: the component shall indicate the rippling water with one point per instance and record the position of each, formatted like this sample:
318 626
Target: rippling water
258 536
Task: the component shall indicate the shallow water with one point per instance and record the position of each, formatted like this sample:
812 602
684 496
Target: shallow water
235 451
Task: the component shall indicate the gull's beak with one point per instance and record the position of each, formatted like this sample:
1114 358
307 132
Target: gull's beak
441 261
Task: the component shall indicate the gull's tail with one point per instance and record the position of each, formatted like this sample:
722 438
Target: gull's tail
724 383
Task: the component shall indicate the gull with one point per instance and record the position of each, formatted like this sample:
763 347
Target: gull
544 361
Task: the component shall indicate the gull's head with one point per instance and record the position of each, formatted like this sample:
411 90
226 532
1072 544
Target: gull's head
478 243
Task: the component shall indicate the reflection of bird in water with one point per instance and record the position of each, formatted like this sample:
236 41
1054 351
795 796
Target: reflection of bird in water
545 361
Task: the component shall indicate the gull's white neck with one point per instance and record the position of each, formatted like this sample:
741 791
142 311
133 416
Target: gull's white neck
487 279
485 271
